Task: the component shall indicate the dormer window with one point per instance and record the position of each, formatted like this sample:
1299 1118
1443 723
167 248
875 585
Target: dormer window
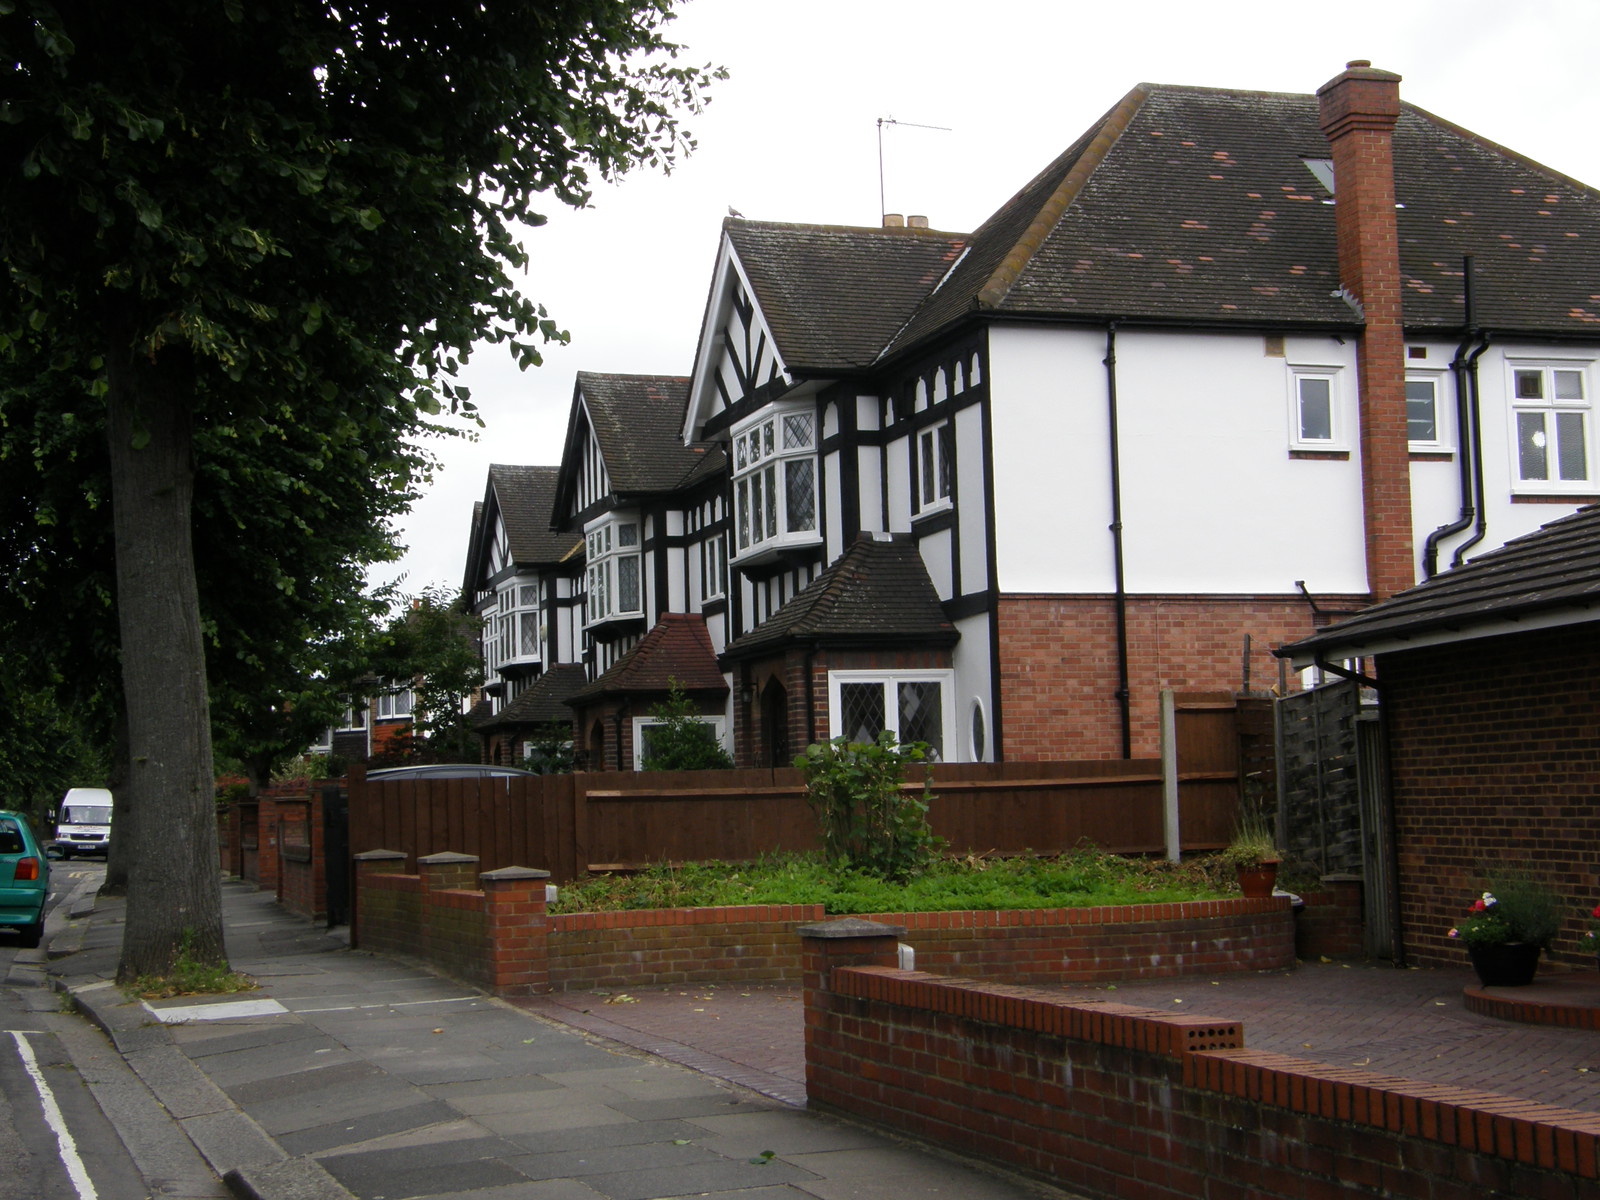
775 481
614 578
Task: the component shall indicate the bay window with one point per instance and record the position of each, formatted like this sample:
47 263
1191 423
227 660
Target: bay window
615 581
514 625
775 481
913 705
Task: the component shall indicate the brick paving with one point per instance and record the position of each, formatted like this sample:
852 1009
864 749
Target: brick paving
1408 1023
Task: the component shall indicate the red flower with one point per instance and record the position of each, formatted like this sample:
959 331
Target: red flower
1479 906
1596 913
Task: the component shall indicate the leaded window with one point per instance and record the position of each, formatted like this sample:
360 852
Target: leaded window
775 481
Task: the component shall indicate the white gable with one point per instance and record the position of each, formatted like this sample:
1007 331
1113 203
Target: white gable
737 353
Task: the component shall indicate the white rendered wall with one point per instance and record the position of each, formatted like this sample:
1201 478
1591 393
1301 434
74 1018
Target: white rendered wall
972 683
970 470
1212 502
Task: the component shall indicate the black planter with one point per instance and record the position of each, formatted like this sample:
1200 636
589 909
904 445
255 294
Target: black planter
1509 964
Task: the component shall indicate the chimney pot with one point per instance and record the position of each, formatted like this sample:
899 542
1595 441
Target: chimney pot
917 222
1356 64
894 221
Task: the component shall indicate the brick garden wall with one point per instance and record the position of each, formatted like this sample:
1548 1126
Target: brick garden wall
1494 748
438 917
1058 663
1110 1100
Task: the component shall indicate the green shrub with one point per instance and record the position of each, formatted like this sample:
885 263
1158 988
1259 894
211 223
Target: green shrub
680 740
869 822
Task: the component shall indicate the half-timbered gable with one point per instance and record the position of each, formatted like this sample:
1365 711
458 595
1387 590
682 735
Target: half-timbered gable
626 480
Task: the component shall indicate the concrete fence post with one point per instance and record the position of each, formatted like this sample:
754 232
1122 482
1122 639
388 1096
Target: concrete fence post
517 929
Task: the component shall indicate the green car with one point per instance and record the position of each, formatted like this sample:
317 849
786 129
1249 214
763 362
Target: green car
24 878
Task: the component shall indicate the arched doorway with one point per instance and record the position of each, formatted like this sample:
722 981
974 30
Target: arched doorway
775 724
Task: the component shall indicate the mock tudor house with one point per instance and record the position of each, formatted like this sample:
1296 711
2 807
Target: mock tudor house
1230 364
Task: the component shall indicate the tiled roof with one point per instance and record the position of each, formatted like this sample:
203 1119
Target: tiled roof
638 422
835 296
1196 204
1551 575
526 496
544 700
878 591
678 648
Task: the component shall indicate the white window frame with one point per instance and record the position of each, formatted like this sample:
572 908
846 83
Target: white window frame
614 546
951 751
719 726
356 717
1443 439
1551 407
934 447
394 703
516 610
1338 438
764 451
714 567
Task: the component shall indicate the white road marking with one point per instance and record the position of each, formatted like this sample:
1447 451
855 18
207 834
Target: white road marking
182 1014
68 1149
390 1004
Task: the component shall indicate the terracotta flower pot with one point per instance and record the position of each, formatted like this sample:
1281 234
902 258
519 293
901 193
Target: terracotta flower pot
1508 964
1256 882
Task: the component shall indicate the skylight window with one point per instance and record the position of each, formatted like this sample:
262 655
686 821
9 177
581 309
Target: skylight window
1322 168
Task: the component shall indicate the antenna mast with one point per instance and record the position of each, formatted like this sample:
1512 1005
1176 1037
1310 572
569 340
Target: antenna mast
883 207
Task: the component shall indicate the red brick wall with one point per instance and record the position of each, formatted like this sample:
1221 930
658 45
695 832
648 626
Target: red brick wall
447 926
1058 663
1111 1100
1494 749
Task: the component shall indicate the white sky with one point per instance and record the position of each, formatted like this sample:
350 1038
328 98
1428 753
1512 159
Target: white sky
792 135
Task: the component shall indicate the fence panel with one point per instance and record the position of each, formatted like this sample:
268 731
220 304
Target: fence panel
571 825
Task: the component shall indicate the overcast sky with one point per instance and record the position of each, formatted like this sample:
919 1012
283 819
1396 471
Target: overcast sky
793 135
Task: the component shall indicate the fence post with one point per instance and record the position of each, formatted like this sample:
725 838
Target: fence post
1169 775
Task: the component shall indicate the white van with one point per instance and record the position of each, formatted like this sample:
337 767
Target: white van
83 822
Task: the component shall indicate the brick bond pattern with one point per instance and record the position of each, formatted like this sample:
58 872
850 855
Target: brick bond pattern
1496 759
1058 663
502 939
1117 1101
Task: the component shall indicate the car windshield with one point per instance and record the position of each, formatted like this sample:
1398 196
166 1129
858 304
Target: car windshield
85 814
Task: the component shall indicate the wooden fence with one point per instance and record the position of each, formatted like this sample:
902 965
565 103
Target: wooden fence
573 825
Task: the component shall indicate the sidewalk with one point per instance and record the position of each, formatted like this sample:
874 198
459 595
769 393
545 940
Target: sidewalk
347 1074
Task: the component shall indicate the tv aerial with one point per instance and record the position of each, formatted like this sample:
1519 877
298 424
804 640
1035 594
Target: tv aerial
882 121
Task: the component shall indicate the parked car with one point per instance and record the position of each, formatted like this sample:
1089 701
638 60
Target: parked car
83 823
24 878
446 771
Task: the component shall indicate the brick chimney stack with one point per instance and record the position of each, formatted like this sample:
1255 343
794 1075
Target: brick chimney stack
1358 110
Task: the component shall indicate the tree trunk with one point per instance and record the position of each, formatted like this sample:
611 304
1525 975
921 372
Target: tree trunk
174 893
122 831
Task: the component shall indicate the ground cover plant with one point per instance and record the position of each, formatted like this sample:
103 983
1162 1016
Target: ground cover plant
1082 879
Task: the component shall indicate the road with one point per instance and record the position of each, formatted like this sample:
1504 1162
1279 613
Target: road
75 1122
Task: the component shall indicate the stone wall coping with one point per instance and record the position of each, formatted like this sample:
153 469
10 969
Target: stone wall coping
380 855
509 874
851 927
446 858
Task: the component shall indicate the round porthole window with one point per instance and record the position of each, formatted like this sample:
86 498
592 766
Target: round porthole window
979 731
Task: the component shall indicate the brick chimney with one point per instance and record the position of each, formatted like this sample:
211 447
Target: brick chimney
1358 110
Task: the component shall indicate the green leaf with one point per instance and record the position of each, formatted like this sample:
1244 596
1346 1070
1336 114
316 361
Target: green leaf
140 439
